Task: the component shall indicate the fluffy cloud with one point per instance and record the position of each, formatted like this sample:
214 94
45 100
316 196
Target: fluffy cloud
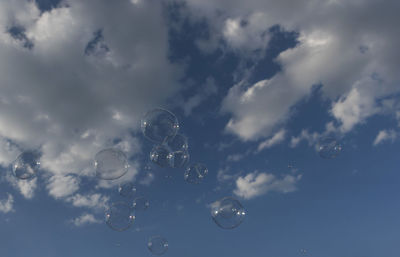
255 184
26 187
385 135
341 45
275 139
85 219
82 82
6 205
93 201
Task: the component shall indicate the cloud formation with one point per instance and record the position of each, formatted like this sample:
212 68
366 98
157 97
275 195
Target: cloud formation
6 205
85 219
385 135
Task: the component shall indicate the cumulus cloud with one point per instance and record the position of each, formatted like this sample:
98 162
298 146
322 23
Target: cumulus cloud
385 135
82 82
255 184
85 219
26 187
92 201
341 45
275 139
6 205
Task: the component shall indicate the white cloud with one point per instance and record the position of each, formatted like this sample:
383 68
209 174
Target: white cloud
255 184
385 135
62 186
85 219
312 138
92 201
72 115
275 139
148 179
26 187
6 205
235 157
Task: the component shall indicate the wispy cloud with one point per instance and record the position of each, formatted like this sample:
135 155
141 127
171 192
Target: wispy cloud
385 135
275 139
6 205
93 201
85 219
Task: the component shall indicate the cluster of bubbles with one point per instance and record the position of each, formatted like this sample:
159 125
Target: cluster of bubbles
171 150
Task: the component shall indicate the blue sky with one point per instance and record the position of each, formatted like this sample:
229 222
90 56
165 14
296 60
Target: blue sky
255 85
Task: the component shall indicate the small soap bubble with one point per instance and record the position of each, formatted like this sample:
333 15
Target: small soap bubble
157 245
140 204
127 189
159 155
110 164
195 173
177 143
303 252
158 125
26 165
119 216
178 159
329 148
227 213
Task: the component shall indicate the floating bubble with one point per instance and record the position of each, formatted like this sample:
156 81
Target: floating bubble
26 165
177 143
195 173
157 245
140 204
329 148
178 159
110 164
160 156
227 213
159 124
119 216
127 189
303 251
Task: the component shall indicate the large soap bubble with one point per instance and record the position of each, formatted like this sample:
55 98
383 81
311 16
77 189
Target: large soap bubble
120 216
329 148
178 143
110 164
26 165
160 156
227 213
158 125
178 159
127 189
195 173
157 245
140 204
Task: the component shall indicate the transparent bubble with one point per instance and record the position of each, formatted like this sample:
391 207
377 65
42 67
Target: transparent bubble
157 245
159 124
140 204
26 165
159 155
303 252
177 143
120 216
110 164
329 148
195 173
127 189
227 213
178 159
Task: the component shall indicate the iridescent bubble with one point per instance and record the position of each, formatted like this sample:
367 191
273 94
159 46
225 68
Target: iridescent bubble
110 164
177 143
159 124
157 245
26 165
178 159
329 148
159 155
127 189
195 173
227 213
120 216
140 204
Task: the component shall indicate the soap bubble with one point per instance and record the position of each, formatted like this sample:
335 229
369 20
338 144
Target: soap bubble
329 148
140 204
119 216
159 124
26 165
157 245
178 159
159 155
195 173
127 189
227 213
177 143
110 164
